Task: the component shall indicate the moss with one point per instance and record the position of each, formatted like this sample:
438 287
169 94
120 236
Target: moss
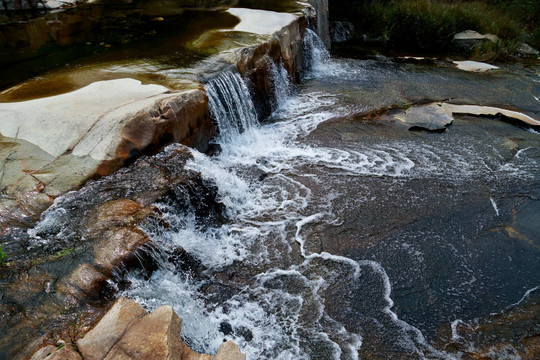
3 256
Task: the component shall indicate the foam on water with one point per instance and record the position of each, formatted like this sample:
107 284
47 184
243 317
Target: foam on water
259 175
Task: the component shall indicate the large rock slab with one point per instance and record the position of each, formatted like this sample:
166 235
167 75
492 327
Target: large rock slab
53 145
99 341
229 351
155 337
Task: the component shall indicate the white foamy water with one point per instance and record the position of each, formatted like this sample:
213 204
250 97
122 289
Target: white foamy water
278 306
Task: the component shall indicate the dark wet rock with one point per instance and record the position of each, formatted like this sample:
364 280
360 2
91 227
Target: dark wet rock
513 332
255 63
321 20
213 150
88 236
185 262
225 328
341 31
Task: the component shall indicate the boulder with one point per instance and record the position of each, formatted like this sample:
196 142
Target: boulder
98 342
526 50
229 351
154 337
469 40
341 31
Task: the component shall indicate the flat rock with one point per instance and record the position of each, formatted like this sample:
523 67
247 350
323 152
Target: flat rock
53 145
229 351
430 117
437 116
474 66
155 337
490 111
97 343
261 22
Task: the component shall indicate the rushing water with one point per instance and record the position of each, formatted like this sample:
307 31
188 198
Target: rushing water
335 227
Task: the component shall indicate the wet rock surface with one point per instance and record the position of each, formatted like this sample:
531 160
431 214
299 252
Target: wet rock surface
91 235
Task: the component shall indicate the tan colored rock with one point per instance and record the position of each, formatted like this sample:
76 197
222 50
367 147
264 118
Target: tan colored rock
65 353
44 352
97 343
229 351
155 337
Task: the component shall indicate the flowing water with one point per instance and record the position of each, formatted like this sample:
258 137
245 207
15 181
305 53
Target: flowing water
344 237
326 231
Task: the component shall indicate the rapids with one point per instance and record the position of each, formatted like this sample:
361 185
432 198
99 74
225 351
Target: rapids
344 237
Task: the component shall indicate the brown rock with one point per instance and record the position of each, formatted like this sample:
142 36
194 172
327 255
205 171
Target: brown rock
116 246
83 282
99 341
155 336
65 353
229 351
44 352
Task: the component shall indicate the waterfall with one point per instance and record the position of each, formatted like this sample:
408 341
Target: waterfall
230 105
282 88
315 53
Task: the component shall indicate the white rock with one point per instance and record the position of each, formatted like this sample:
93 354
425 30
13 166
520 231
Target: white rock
57 124
474 66
261 22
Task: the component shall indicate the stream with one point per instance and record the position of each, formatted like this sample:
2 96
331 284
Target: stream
328 230
342 236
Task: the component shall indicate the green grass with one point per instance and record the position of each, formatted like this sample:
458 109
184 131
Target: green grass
431 24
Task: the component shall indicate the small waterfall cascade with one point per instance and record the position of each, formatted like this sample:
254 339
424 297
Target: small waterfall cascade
231 105
282 87
315 53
